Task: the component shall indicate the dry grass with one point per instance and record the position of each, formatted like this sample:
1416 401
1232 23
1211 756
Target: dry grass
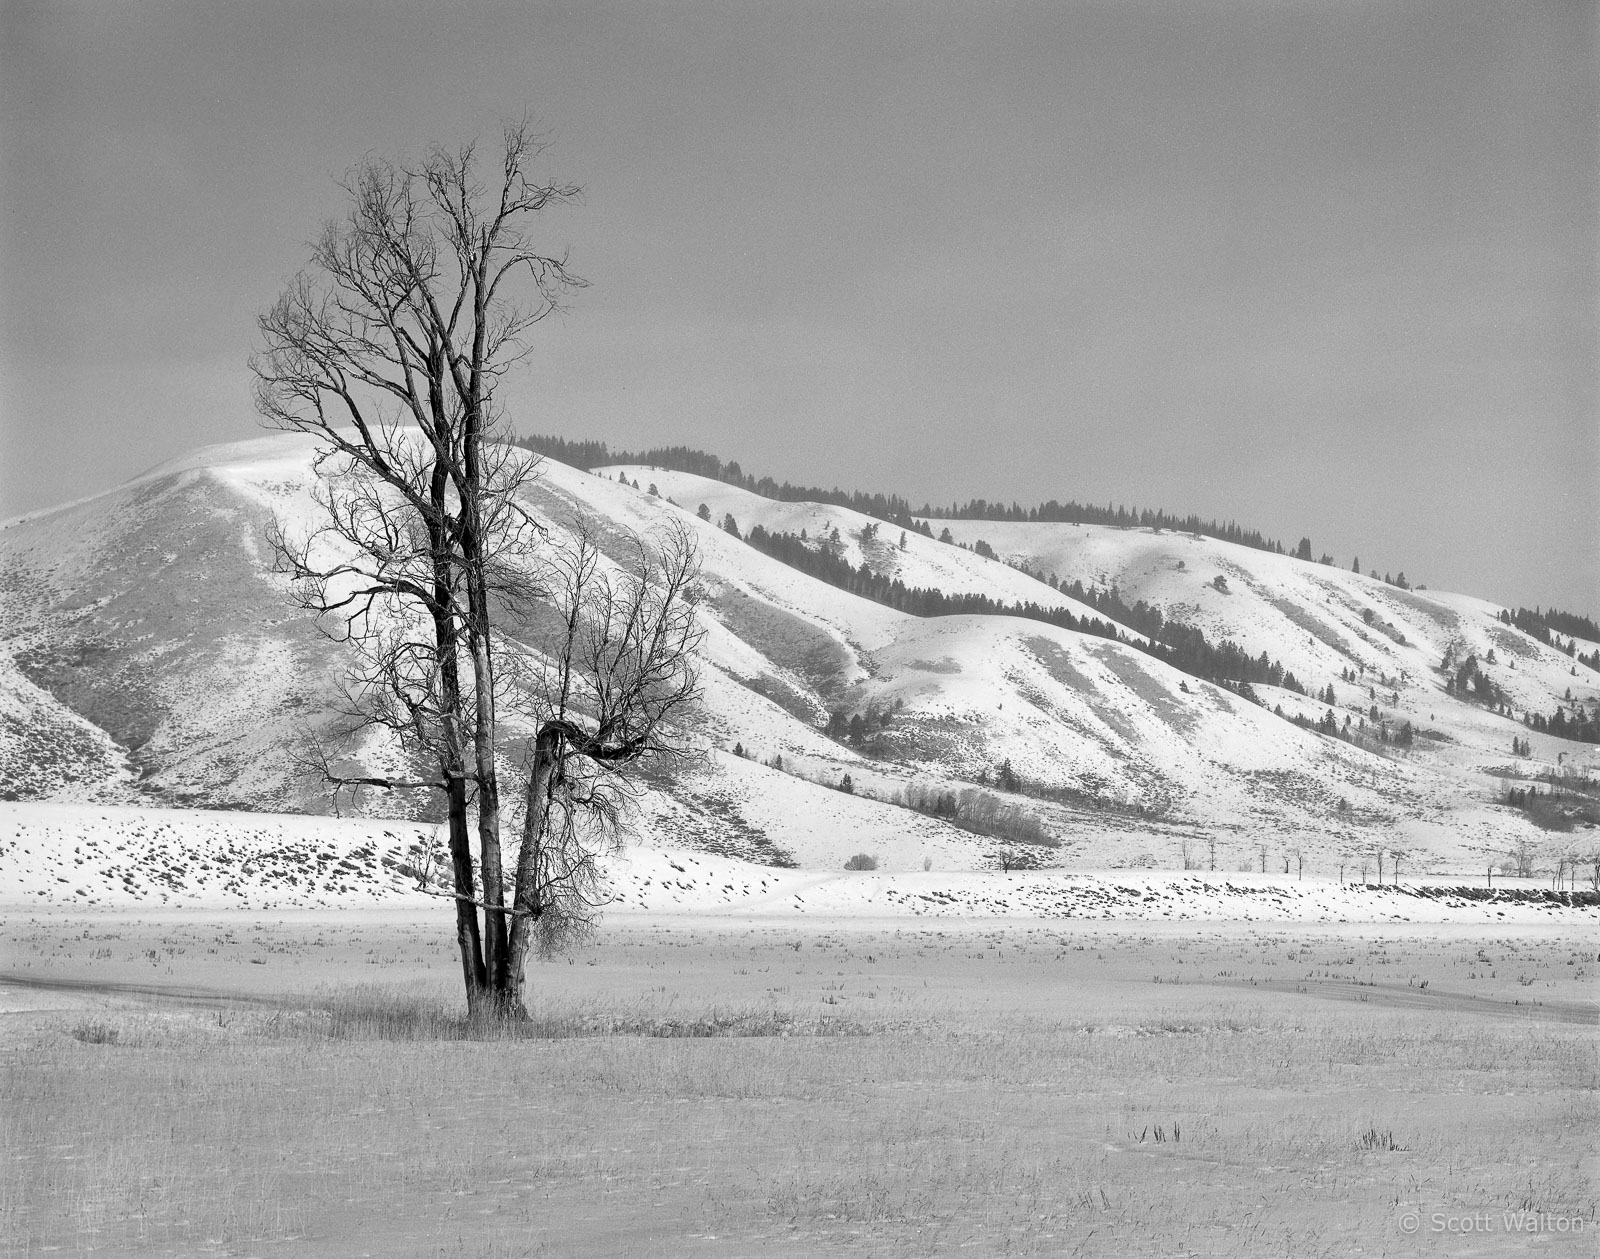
630 1120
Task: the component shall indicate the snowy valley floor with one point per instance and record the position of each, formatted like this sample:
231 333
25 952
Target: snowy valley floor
208 1080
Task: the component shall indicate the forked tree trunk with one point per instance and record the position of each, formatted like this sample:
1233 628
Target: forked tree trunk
527 905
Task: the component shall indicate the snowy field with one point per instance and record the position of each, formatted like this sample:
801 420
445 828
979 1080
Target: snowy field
262 1055
213 1082
109 857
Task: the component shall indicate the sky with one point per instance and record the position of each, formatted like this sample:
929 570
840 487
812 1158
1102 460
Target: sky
1323 267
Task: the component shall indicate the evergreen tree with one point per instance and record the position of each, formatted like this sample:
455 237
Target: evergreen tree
1179 645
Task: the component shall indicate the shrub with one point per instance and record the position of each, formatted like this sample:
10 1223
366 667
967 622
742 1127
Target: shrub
862 861
97 1033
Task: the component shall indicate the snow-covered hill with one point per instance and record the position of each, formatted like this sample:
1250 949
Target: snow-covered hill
150 653
1324 622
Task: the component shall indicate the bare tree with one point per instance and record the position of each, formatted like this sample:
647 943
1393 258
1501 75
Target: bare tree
388 351
606 688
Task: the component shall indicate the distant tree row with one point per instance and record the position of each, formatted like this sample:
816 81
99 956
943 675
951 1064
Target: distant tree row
1575 724
1116 516
890 507
979 811
1181 646
1522 797
1544 626
899 511
1191 652
843 725
1379 732
594 454
1468 682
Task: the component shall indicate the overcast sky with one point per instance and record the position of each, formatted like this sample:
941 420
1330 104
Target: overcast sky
1324 268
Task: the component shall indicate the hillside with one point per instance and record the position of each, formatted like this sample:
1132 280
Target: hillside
1325 622
150 655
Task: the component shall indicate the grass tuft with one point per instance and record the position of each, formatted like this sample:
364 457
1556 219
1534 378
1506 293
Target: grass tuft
379 1014
95 1033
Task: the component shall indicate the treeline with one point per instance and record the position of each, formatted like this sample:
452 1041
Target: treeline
1186 648
1554 810
1119 517
981 812
1576 724
890 507
587 454
1544 626
1372 738
1181 646
1468 682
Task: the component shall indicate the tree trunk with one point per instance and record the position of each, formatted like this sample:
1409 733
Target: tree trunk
526 905
494 916
479 647
447 644
472 969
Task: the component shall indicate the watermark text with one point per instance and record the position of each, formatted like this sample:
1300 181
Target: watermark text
1464 1222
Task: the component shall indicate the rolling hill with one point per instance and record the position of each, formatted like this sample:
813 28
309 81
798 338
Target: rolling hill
150 656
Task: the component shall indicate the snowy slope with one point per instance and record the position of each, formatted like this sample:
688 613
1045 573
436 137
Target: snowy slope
921 562
152 612
1322 621
1095 720
49 751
